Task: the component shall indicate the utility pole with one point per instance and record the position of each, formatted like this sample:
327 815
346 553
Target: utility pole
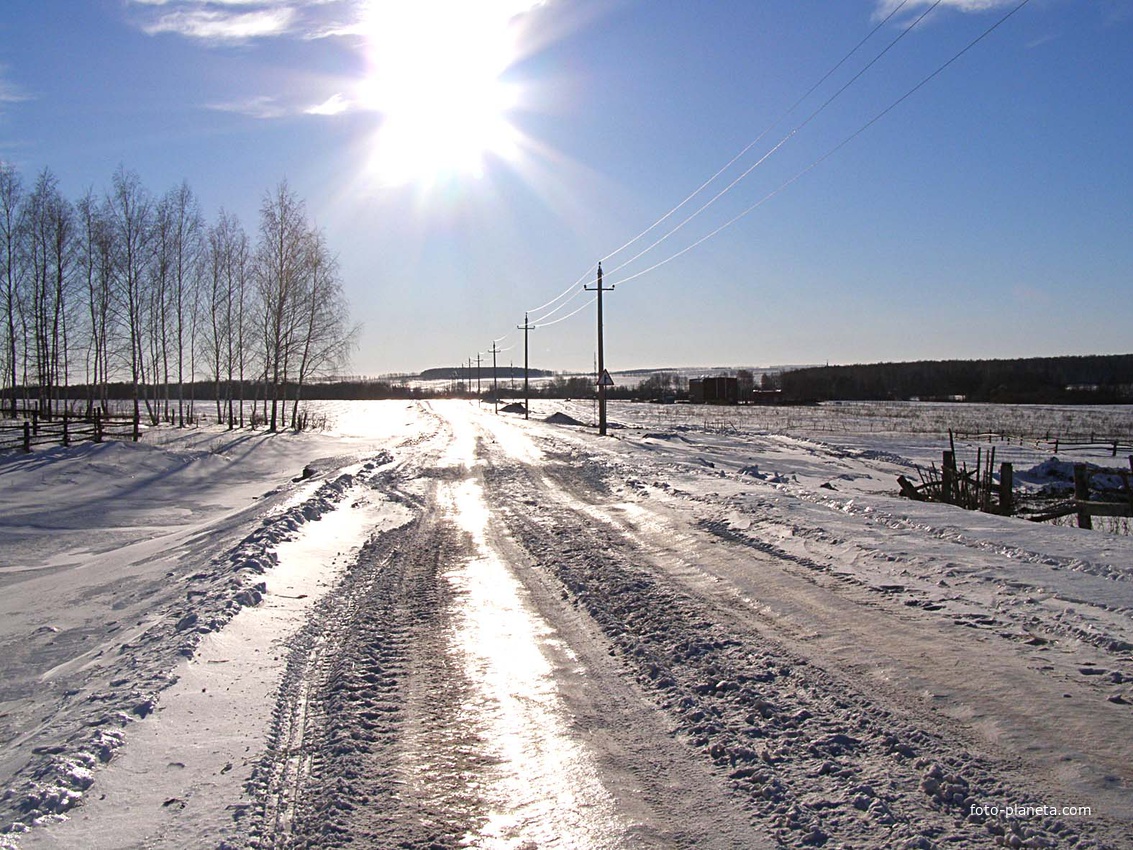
495 385
477 377
603 378
525 327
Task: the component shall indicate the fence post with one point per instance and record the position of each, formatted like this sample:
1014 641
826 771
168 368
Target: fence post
1006 489
1129 485
1082 494
98 426
27 436
35 422
947 476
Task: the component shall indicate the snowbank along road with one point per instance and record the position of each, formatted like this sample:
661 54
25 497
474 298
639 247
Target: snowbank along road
486 632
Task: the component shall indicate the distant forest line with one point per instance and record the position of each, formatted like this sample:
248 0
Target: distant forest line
1090 379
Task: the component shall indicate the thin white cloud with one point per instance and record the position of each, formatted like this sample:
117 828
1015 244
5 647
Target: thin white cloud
359 15
884 7
265 107
254 107
337 30
235 21
10 92
336 104
209 2
221 25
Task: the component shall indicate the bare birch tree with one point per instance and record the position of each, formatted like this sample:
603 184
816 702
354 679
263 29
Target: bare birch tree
280 265
324 337
49 252
130 215
157 309
229 276
96 261
11 272
187 246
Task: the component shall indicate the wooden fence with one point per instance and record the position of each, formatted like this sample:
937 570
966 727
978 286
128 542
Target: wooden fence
978 489
37 431
1083 506
974 489
1099 445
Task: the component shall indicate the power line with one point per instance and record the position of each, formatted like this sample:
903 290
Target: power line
568 315
759 138
574 286
785 138
834 149
578 290
566 292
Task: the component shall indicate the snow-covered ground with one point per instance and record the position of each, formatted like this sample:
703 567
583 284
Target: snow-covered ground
120 561
168 630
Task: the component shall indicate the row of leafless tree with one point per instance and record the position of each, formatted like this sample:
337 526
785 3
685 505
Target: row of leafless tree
126 286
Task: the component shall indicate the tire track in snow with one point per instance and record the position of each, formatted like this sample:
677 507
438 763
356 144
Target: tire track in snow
403 723
371 674
818 762
111 690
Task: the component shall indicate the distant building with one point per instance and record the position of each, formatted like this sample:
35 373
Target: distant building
717 390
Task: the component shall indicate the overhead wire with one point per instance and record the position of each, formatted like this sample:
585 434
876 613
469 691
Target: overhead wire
577 290
759 138
833 69
568 315
794 131
560 296
927 79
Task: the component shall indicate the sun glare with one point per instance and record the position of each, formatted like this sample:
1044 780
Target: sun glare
436 70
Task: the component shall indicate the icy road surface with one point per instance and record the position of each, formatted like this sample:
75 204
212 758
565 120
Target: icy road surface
470 630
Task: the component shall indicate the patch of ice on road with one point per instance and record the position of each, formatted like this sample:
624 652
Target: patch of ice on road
543 788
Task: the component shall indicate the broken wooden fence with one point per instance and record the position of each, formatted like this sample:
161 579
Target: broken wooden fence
978 489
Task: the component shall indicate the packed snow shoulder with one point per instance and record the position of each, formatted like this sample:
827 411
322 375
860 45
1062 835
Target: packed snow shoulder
91 722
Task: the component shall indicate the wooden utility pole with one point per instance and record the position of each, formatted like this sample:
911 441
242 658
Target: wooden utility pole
525 327
495 384
477 377
603 379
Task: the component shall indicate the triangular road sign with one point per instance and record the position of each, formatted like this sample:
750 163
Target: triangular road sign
605 380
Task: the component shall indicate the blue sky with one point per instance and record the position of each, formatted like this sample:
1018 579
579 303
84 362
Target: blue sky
473 159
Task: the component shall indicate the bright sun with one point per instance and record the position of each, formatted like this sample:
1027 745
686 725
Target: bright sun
435 75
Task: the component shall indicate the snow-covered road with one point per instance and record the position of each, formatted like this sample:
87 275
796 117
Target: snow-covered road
470 630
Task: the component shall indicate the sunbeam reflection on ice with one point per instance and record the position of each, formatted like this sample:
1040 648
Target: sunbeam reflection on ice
543 789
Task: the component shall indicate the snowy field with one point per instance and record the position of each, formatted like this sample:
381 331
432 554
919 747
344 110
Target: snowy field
433 626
